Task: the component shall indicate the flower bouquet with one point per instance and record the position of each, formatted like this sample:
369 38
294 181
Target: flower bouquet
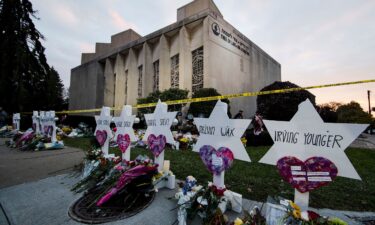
195 200
294 215
254 217
186 140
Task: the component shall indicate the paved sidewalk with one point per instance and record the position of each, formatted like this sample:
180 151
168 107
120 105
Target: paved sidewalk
47 201
17 167
364 141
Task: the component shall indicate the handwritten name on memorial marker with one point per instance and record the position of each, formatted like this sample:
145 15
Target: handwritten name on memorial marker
307 135
104 122
210 130
220 131
123 124
321 140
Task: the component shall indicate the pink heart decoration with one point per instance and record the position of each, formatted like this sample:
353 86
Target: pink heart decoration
101 136
156 144
216 161
123 142
306 176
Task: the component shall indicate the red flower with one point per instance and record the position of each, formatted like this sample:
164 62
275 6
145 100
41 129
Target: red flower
313 215
218 191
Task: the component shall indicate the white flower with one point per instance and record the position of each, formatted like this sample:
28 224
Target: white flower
178 195
305 215
191 178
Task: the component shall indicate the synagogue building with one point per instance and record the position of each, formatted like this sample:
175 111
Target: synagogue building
199 50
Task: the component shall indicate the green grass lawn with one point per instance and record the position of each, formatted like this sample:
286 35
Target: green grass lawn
256 181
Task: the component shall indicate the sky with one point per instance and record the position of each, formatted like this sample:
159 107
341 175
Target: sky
316 42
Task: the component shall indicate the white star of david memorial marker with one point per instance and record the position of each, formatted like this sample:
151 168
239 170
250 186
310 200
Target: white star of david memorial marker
103 122
16 121
124 124
43 121
306 135
36 122
220 131
159 123
52 123
47 123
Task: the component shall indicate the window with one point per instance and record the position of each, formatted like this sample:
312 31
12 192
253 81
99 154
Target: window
197 63
156 76
114 89
126 83
174 71
140 70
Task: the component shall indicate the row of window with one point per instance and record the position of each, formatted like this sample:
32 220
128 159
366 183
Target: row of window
197 73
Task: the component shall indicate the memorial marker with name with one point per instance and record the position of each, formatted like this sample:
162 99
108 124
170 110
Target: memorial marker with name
310 153
158 131
36 122
52 125
219 141
43 125
125 133
16 121
103 132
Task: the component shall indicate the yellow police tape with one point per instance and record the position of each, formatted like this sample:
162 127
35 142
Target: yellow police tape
213 98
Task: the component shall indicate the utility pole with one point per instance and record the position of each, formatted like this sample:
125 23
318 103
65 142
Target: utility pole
369 102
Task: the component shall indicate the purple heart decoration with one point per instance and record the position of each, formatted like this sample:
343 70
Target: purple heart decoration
101 136
50 130
306 176
45 130
156 144
216 161
123 142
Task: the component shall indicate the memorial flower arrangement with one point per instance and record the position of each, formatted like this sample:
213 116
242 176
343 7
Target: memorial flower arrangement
143 171
195 200
94 172
7 132
254 217
185 140
244 141
294 215
30 141
106 177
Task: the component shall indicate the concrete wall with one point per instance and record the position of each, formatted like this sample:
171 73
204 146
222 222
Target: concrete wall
86 86
232 63
234 70
195 7
120 81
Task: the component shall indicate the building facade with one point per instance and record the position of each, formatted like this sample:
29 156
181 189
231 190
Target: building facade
200 50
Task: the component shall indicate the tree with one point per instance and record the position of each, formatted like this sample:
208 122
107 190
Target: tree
328 111
205 108
55 88
352 113
169 94
281 106
26 79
